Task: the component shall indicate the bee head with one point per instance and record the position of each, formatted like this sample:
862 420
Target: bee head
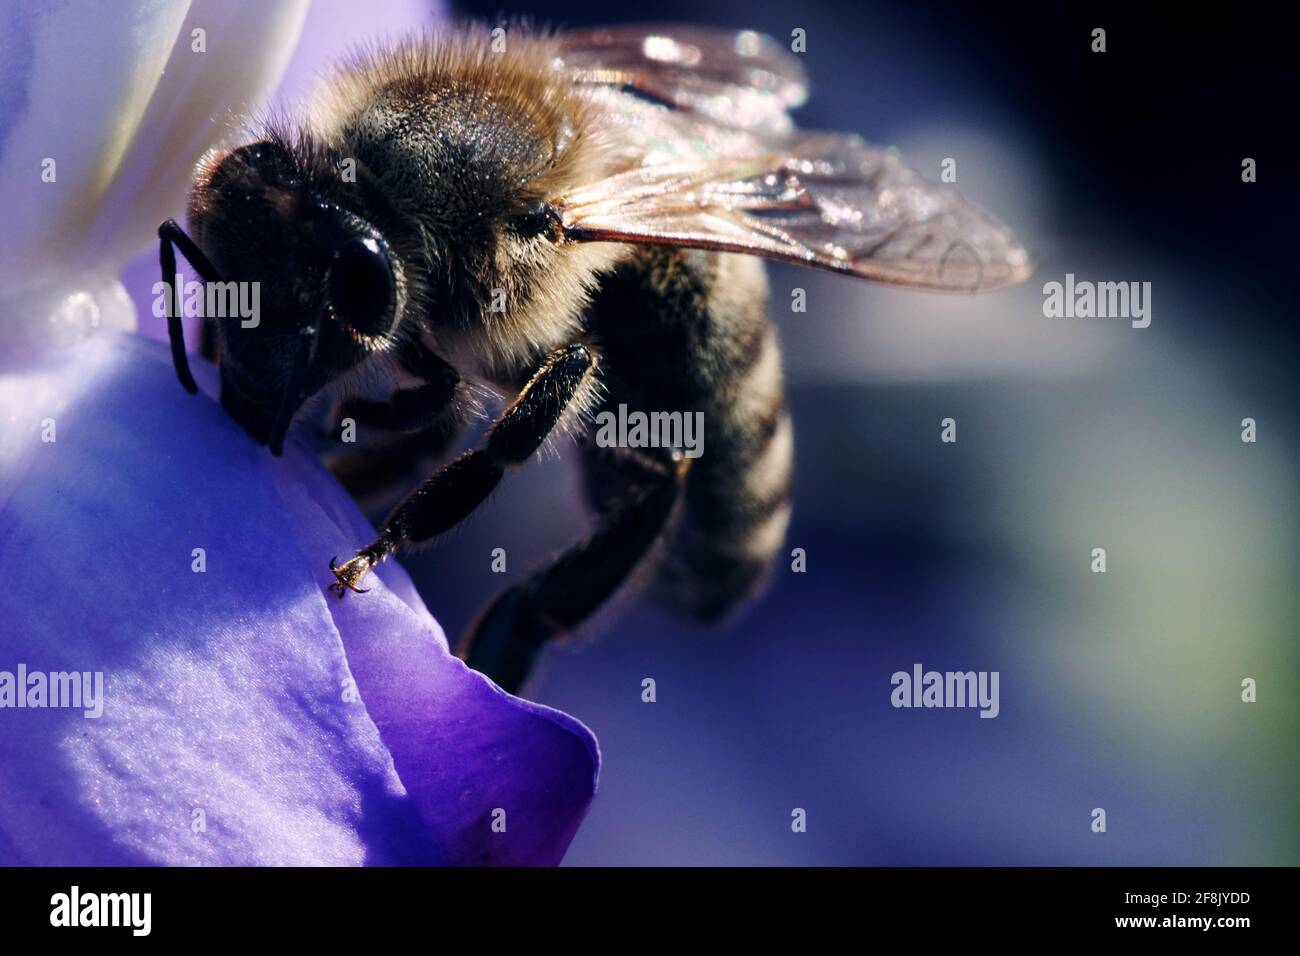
326 287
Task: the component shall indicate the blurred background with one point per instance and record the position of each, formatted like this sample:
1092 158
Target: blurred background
1119 690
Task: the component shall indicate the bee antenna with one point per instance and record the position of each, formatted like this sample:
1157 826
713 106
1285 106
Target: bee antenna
175 327
302 363
170 235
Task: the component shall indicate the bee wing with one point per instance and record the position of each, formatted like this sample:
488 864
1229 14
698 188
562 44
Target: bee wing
735 79
825 200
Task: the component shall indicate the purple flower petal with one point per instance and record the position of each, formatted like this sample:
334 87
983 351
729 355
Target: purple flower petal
232 731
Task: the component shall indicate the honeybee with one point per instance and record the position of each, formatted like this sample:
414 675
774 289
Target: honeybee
577 222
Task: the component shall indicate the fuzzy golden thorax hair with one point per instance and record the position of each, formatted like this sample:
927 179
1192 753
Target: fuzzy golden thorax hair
455 141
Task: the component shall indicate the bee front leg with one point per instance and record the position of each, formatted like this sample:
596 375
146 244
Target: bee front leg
450 495
414 408
415 425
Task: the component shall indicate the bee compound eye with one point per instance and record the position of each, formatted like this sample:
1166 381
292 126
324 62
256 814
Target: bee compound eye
361 286
535 220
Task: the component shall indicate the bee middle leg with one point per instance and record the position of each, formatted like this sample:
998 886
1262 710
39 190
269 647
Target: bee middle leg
451 494
506 638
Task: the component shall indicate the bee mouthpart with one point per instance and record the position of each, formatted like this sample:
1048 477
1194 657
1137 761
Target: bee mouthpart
293 390
252 415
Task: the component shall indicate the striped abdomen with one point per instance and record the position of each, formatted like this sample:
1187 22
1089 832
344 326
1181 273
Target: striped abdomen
684 330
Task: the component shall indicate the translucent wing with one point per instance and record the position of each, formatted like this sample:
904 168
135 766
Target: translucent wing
824 200
708 159
737 79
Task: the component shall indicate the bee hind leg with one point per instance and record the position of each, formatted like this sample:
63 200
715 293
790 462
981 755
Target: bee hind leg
505 640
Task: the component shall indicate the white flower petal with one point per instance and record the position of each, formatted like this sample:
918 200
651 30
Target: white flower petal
118 98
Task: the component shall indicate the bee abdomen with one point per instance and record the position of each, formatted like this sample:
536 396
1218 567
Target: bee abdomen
685 330
737 501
